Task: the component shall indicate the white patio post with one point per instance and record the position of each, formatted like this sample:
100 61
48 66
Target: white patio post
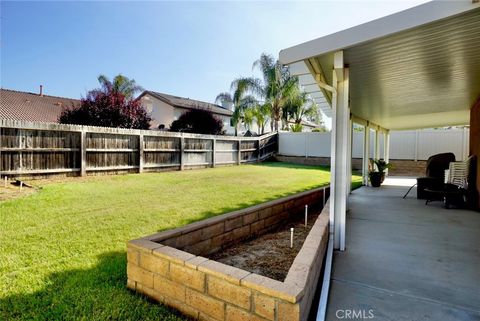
349 155
339 152
333 145
386 147
376 152
366 153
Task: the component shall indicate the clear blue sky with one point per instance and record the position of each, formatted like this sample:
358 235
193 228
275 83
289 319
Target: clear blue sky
191 49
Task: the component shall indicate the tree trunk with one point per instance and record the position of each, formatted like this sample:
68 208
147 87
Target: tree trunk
275 117
236 129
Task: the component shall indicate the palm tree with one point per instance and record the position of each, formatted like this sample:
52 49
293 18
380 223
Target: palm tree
275 88
261 113
120 84
248 117
240 99
299 106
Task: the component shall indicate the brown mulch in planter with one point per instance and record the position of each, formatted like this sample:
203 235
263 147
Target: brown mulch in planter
269 255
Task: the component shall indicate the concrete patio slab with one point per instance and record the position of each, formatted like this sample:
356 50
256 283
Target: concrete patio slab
405 260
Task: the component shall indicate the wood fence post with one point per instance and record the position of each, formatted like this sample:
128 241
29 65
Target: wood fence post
140 153
239 152
22 146
83 153
258 151
214 150
1 161
182 158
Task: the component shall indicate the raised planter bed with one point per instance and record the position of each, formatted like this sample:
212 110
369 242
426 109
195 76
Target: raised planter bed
270 254
172 267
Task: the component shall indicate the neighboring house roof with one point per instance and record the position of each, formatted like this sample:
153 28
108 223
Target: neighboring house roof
306 123
309 124
187 103
19 105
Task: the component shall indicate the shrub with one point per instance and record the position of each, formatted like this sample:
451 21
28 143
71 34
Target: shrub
198 121
297 128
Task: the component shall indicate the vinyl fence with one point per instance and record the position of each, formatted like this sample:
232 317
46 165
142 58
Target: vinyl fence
28 148
404 145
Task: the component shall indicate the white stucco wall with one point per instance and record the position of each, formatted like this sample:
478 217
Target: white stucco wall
163 113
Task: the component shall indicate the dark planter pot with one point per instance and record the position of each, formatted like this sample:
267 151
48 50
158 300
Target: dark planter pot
383 177
376 179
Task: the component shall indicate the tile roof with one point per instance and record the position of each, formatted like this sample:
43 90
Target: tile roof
188 103
19 105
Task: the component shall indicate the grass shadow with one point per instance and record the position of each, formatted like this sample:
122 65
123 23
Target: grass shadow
272 164
240 206
292 165
98 293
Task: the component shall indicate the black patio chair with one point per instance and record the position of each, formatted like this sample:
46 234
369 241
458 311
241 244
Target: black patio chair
434 175
459 188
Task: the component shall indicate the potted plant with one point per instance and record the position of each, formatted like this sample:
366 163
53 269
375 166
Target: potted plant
376 172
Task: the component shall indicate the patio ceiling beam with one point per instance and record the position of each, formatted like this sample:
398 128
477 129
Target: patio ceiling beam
320 79
338 65
359 121
324 85
372 125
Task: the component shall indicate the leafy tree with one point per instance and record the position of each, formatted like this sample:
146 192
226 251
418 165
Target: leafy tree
240 99
198 121
120 84
107 109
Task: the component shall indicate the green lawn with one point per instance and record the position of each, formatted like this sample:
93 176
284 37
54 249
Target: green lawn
62 249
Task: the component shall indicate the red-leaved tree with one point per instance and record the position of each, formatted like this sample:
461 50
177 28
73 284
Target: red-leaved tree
107 108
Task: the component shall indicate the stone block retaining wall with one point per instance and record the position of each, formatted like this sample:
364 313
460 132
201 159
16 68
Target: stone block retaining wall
169 267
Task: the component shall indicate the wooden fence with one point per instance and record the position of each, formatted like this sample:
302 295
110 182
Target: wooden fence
30 148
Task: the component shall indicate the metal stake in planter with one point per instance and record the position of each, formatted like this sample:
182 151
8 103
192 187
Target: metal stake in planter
21 185
306 215
291 237
6 181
